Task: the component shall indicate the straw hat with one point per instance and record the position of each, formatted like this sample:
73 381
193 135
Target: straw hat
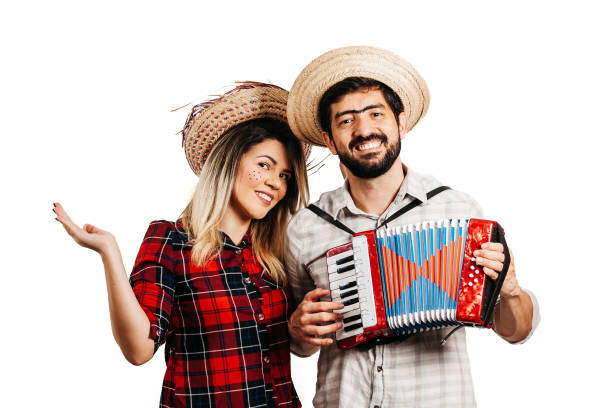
357 61
211 119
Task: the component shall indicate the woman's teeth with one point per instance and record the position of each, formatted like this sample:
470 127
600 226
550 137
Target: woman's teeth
264 196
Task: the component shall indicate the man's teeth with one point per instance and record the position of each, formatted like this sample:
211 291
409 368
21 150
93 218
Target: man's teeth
264 196
369 145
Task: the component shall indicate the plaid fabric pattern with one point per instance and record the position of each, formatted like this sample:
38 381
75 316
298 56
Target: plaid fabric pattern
224 323
416 372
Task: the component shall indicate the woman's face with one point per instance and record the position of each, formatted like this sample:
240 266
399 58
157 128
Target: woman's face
262 180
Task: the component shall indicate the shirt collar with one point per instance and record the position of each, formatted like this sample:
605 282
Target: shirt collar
229 244
411 186
182 238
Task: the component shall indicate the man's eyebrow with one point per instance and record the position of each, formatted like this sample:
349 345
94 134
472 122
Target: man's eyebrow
346 112
268 157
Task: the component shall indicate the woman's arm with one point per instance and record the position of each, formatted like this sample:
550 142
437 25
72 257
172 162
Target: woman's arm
130 324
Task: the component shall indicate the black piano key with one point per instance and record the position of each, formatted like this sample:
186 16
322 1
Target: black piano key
350 301
345 269
352 327
351 319
347 285
345 260
349 293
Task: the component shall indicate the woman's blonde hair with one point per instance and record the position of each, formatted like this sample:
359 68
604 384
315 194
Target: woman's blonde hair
203 214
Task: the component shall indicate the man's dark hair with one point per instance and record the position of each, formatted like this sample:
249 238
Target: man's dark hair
350 85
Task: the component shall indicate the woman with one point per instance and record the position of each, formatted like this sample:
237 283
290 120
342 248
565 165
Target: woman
211 285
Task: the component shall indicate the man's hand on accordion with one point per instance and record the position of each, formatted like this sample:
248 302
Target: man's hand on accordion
313 319
491 258
514 313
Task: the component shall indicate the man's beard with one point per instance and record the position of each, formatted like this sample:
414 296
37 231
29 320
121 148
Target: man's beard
373 170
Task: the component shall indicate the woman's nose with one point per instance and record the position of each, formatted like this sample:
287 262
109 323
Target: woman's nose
274 181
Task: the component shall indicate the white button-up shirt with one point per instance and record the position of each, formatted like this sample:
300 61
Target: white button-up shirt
416 372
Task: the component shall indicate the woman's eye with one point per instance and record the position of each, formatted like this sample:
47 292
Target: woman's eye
285 176
264 165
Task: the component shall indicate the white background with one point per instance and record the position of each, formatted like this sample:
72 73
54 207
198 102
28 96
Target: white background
519 118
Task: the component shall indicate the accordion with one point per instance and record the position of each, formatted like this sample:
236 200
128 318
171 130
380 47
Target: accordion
401 280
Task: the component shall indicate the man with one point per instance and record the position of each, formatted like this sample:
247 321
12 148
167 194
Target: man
360 102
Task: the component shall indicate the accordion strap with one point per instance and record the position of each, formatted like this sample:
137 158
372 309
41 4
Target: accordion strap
414 203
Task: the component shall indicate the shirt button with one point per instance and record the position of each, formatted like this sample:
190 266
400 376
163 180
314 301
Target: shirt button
260 317
376 406
266 359
158 332
247 280
238 251
379 369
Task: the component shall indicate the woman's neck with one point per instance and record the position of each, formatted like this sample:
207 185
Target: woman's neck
234 225
373 196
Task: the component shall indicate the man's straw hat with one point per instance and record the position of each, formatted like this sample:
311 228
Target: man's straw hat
211 119
357 61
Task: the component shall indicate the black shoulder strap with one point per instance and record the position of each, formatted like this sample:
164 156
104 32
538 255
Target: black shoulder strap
329 218
414 203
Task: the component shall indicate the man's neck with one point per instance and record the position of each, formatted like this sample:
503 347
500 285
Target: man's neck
373 196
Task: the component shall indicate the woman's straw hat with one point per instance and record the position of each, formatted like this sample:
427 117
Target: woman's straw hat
210 119
357 61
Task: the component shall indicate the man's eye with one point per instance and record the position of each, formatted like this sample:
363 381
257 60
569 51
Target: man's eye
376 114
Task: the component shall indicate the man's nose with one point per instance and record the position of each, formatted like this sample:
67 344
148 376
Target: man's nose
362 127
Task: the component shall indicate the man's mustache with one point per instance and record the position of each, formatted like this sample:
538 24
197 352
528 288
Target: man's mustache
360 139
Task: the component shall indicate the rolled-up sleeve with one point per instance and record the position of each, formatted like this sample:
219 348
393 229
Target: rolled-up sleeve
152 278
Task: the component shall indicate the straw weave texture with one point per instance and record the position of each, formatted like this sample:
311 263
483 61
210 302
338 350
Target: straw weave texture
356 61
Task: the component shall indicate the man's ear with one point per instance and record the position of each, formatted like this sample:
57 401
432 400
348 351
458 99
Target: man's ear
329 143
402 122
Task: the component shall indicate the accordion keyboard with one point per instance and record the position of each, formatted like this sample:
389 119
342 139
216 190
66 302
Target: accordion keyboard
350 283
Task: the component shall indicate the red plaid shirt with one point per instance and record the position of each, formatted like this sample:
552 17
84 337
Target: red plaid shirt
224 324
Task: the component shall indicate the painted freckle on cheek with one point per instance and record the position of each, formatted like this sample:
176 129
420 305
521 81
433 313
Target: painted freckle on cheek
254 175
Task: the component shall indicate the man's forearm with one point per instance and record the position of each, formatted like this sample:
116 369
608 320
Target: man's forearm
513 317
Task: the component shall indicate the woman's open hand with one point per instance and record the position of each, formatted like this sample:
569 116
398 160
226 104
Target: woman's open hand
89 236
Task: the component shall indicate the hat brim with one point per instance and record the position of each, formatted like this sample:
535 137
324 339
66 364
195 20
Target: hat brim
356 61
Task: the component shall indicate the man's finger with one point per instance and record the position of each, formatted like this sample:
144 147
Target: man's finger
314 318
485 253
314 307
495 265
494 246
490 273
317 341
314 330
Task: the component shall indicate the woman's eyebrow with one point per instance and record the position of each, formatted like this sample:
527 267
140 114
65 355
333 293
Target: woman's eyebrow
268 157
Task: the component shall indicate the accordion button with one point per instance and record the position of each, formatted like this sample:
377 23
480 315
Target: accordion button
471 275
470 283
476 271
475 280
472 267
